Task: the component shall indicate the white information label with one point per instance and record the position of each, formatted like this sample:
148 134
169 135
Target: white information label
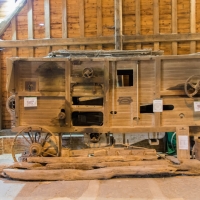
30 101
158 105
183 142
196 106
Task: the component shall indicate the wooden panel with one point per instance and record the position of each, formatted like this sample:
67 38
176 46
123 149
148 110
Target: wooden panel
22 24
45 112
73 29
38 19
146 17
182 114
183 16
165 16
176 72
129 18
55 19
108 17
90 18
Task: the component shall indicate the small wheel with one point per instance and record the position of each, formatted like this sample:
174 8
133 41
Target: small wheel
34 142
87 73
10 104
192 85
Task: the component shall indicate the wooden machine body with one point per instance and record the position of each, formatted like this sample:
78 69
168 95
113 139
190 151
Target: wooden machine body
59 85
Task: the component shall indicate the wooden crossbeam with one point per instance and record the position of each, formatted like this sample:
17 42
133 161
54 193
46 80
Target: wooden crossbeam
101 40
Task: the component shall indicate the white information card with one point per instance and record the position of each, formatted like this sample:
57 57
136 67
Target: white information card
183 142
157 105
196 106
30 102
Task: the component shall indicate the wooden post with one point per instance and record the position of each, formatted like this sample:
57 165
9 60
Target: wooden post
118 25
30 25
183 146
82 21
193 24
174 25
64 19
157 68
156 21
14 35
137 21
99 20
47 22
0 97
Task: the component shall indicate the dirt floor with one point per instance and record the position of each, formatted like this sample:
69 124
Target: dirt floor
163 188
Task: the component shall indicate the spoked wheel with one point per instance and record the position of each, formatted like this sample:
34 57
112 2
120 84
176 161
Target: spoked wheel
192 85
34 142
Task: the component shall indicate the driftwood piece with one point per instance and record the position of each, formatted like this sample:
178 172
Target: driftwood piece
3 166
24 165
90 166
108 152
90 159
173 160
73 174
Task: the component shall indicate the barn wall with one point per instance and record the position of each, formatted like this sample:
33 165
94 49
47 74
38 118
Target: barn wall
169 25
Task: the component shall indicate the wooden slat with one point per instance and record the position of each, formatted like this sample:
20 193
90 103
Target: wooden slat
118 25
193 24
14 35
156 21
30 25
81 21
47 18
157 89
174 25
64 18
138 21
99 20
30 19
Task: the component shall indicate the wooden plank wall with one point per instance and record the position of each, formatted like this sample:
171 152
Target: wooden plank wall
169 25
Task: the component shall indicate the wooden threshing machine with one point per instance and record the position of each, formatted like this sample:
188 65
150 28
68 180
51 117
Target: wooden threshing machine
107 98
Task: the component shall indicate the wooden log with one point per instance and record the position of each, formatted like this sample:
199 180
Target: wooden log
72 174
90 159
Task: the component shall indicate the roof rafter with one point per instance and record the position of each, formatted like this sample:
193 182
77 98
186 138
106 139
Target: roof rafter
6 21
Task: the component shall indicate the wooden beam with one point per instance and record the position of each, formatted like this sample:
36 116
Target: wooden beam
193 24
137 22
82 21
101 40
183 145
118 25
156 21
174 25
64 18
157 71
47 18
30 19
99 20
5 23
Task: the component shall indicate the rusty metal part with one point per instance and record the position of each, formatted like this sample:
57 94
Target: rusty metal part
194 87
